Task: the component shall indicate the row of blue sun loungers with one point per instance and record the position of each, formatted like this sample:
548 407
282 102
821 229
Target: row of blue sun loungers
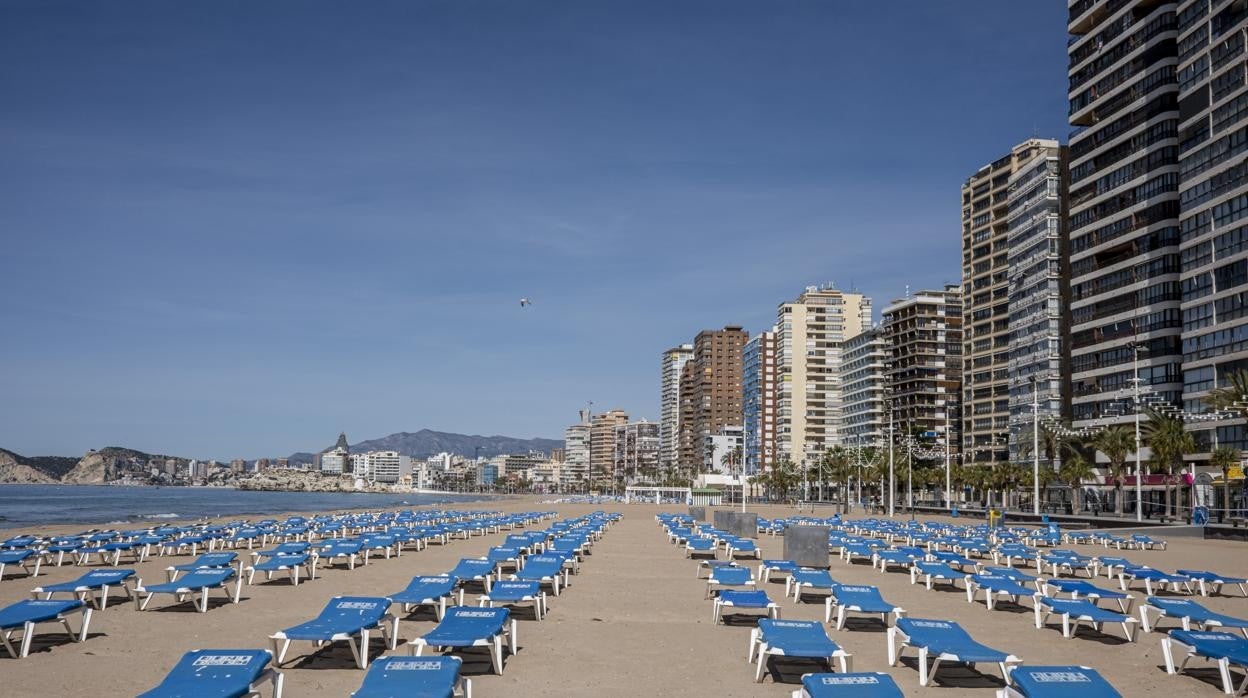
734 587
211 571
352 619
384 534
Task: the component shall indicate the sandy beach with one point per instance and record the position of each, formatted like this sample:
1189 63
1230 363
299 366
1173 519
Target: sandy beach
633 623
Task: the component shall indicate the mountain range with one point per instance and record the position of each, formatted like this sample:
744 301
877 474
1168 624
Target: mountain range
426 442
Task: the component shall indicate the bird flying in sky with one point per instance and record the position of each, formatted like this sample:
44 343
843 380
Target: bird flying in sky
525 302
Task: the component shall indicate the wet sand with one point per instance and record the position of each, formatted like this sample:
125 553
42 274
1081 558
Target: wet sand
633 623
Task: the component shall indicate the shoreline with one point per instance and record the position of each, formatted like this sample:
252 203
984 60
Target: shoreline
241 504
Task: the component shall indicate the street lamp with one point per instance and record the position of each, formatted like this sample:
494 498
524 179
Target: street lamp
1139 473
1035 444
948 453
892 473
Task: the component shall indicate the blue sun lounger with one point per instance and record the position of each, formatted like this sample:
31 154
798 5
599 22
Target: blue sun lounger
769 567
1153 576
1212 580
757 599
23 558
1076 611
1078 588
793 638
739 578
1057 682
433 590
207 561
289 563
741 547
1224 648
471 569
349 551
344 619
419 677
855 685
1013 573
944 640
996 586
710 565
200 581
1187 612
860 599
700 546
93 585
543 568
932 571
467 626
218 673
807 579
514 593
25 615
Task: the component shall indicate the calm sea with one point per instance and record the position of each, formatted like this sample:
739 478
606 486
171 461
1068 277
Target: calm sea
34 505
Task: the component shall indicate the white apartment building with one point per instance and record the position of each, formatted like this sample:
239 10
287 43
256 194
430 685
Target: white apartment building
810 333
674 361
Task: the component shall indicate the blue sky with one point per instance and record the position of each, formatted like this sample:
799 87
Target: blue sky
232 229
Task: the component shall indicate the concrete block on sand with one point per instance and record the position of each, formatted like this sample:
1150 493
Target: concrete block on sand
807 545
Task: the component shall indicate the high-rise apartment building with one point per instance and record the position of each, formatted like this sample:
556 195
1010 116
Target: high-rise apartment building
986 309
1039 366
1124 200
710 392
1213 204
669 403
636 452
575 470
758 406
602 446
924 333
864 382
810 332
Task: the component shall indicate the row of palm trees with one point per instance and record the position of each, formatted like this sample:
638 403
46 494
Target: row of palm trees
1164 433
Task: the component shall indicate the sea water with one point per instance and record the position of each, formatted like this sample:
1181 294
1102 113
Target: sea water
36 505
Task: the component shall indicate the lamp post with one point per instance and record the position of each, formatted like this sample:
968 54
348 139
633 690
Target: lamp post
948 471
892 473
1139 476
1035 445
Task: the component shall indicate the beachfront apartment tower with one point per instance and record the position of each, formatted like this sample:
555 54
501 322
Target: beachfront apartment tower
669 403
1213 205
986 311
810 332
602 446
924 333
710 392
1124 204
864 378
758 406
637 452
574 474
1039 365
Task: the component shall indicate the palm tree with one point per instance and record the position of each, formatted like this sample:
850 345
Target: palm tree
1169 440
1075 470
1116 443
1224 458
1052 445
1233 395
